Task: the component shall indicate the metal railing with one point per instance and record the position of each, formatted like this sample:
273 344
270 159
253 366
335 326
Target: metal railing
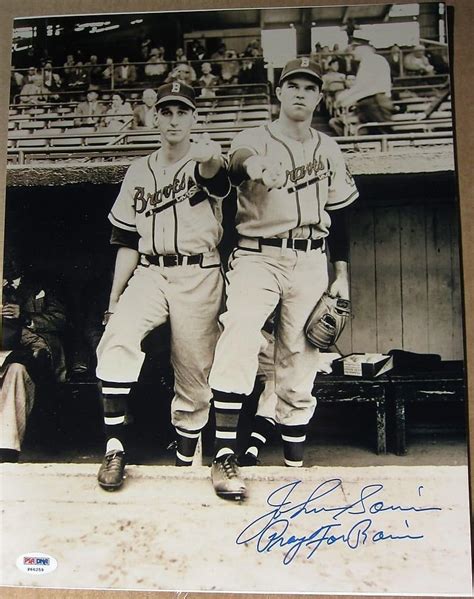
121 147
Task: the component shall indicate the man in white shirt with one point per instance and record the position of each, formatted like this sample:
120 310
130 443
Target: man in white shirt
371 92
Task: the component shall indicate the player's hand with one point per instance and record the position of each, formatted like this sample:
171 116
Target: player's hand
205 149
274 176
339 288
11 311
265 169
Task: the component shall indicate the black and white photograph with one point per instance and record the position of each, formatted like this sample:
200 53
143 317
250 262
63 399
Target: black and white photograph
233 352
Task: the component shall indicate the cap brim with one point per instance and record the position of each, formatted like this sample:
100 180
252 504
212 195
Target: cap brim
300 71
177 100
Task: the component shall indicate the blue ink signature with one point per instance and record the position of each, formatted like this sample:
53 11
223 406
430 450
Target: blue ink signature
272 529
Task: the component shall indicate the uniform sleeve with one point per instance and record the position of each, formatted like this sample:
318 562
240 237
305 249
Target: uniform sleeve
249 139
342 188
123 214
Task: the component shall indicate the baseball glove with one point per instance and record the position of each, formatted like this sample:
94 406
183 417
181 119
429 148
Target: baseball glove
327 321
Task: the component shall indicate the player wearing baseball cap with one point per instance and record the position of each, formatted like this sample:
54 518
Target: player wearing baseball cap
166 221
293 185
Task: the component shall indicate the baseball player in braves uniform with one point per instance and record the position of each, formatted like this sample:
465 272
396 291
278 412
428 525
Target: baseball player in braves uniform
167 223
292 183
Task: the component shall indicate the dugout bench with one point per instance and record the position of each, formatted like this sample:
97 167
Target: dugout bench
390 393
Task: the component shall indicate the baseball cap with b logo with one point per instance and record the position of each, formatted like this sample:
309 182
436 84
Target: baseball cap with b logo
177 91
303 65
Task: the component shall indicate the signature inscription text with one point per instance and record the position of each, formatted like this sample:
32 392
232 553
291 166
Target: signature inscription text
354 525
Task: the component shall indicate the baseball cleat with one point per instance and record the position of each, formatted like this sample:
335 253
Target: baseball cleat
226 478
112 471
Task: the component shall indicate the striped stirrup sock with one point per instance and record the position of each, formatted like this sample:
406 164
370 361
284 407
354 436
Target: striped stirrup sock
227 408
186 446
293 438
115 400
262 429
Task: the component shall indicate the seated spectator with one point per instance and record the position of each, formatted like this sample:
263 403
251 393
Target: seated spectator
325 58
51 82
217 56
438 57
108 72
33 93
184 73
207 81
156 67
417 63
252 69
144 115
119 116
230 68
333 80
197 51
125 74
78 79
89 112
394 60
68 68
32 76
16 83
347 64
94 71
33 320
180 56
371 92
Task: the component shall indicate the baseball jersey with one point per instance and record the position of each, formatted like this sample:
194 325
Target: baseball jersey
317 181
172 208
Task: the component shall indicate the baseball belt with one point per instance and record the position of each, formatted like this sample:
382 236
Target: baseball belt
294 244
170 259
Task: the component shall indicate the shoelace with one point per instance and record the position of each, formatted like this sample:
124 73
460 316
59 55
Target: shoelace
113 461
230 467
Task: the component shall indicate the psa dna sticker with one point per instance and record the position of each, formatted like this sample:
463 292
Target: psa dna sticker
36 563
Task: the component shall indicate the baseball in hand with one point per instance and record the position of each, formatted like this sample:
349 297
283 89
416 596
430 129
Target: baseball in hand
274 176
205 149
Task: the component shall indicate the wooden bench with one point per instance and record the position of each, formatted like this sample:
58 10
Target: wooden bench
344 389
445 384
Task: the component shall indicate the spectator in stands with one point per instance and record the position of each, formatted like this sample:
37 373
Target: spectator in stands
417 63
218 56
347 64
79 78
32 93
325 58
90 112
394 60
438 57
94 71
184 73
32 76
253 69
16 83
144 115
108 72
180 56
371 92
230 68
69 68
197 51
125 74
207 81
120 115
156 67
333 80
51 82
33 320
145 47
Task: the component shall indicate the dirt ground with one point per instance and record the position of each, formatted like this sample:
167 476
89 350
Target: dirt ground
167 530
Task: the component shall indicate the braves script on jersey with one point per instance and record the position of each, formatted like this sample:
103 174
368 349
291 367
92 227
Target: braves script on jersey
317 181
168 208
